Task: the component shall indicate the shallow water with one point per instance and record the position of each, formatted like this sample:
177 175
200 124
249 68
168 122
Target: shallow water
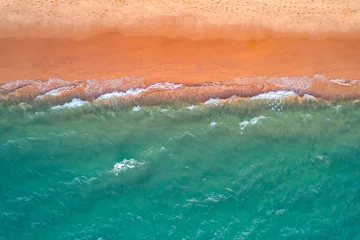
242 170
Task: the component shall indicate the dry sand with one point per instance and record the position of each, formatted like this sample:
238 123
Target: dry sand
189 18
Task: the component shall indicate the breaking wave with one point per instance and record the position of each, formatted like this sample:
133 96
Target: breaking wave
133 91
76 102
252 121
275 95
125 165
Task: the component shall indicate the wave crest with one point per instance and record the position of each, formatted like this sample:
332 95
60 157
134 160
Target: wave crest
136 92
76 102
125 164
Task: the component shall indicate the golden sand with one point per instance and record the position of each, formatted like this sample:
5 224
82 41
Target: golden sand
187 18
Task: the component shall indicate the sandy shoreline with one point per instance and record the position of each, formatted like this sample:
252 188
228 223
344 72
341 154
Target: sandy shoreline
180 60
133 90
189 42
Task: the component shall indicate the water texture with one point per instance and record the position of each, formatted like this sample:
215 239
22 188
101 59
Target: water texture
252 169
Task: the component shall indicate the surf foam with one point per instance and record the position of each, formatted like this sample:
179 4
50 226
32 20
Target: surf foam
125 165
274 95
213 101
192 107
75 103
252 121
54 92
212 124
136 108
165 86
121 94
308 96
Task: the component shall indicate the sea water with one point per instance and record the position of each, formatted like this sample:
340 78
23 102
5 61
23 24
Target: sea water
269 170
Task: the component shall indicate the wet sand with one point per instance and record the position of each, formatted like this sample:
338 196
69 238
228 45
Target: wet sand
180 60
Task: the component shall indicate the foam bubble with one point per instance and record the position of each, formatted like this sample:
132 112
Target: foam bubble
136 108
130 91
215 198
212 124
274 95
192 107
16 84
111 95
307 116
54 92
136 91
25 106
280 211
308 96
341 82
76 102
252 121
243 124
125 165
212 101
165 85
256 119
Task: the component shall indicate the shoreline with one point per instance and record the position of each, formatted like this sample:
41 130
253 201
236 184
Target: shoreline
188 42
133 90
111 62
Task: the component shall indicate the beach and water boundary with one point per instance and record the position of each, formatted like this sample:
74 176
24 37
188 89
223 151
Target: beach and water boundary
303 47
200 119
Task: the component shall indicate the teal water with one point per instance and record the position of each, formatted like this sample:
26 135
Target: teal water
231 171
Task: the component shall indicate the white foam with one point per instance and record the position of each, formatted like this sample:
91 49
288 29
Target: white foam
252 121
111 95
24 105
341 82
280 211
130 91
136 91
136 108
125 165
96 87
212 124
192 107
212 101
16 84
243 124
165 85
307 116
76 102
215 197
308 96
164 110
54 92
274 95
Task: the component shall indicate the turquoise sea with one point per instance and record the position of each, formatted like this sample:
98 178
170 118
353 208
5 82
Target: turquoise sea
232 170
